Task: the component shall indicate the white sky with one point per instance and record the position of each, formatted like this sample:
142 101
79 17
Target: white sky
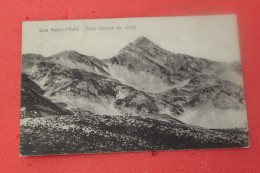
213 37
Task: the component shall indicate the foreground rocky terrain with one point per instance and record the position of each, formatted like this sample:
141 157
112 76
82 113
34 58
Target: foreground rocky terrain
137 100
102 133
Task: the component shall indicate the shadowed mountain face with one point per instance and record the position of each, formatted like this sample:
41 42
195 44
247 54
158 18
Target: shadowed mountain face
34 104
142 82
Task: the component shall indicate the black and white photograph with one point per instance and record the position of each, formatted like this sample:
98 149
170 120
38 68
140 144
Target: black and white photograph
131 84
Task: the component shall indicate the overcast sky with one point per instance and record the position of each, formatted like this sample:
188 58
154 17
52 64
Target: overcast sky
213 37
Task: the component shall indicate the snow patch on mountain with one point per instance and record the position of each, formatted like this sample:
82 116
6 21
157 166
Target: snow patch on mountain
139 80
215 118
97 107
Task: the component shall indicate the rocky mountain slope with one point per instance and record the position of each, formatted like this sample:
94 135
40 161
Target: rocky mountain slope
34 104
94 92
161 69
183 82
142 84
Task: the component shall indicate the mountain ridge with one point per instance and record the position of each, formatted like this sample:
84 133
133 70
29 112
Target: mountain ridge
132 83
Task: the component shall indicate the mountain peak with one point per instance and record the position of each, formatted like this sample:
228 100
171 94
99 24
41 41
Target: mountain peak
67 53
70 55
142 40
75 60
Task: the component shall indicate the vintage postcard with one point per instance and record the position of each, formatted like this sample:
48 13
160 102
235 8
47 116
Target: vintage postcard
133 84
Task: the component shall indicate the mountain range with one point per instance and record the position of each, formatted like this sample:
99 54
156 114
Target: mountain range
142 81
